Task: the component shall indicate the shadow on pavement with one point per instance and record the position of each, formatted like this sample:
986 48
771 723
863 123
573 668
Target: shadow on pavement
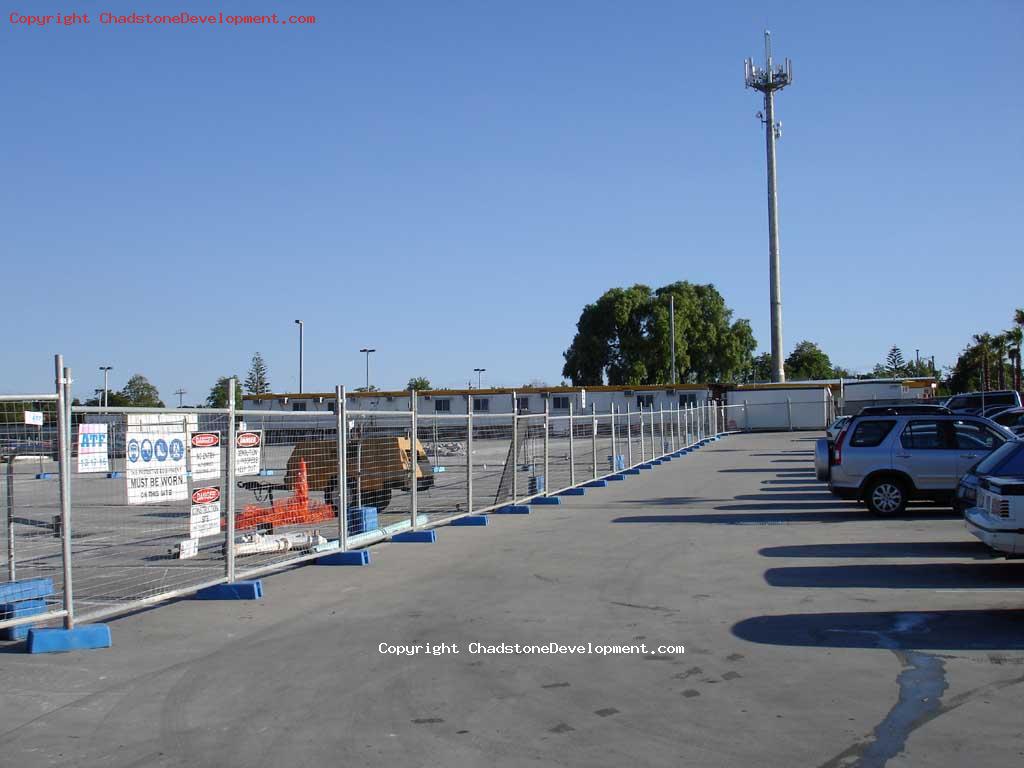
933 630
788 494
895 576
670 501
884 549
773 470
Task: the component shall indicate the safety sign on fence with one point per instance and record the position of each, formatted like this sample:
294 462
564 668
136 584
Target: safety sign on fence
205 517
248 446
155 466
34 418
92 448
205 452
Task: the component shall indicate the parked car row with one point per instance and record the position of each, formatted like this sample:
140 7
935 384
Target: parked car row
885 457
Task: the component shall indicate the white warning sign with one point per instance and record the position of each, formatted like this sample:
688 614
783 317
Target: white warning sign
92 448
204 449
205 517
248 446
155 466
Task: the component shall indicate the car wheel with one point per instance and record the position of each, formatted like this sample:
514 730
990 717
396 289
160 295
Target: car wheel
886 496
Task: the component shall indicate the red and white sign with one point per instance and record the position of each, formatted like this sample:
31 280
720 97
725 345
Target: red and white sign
204 451
248 446
205 517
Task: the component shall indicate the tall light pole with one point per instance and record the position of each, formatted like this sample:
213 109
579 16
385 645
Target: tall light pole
367 351
301 325
479 373
106 379
767 80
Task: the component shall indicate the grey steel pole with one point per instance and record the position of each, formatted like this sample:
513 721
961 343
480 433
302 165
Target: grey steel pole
746 417
672 327
515 445
341 411
547 434
572 448
593 436
63 385
301 342
12 572
789 412
629 436
611 415
778 370
469 453
414 459
229 497
661 428
643 454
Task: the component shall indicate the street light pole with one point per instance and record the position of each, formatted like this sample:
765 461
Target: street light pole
301 325
479 372
367 351
106 372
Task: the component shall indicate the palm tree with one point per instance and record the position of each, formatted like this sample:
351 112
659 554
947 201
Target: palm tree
1016 337
999 347
983 341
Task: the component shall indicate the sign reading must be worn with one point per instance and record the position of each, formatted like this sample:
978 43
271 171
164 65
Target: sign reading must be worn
155 466
92 448
204 448
205 517
248 446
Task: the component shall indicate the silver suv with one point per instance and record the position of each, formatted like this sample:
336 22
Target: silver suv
886 460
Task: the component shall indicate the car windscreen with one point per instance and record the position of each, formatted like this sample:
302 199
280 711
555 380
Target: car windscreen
992 464
868 434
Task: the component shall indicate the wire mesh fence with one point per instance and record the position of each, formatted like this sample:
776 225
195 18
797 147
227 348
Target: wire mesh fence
32 583
146 504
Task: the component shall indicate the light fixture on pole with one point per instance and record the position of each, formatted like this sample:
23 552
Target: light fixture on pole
479 373
301 325
106 379
367 351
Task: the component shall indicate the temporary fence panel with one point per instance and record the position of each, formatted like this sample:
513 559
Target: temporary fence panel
32 581
148 490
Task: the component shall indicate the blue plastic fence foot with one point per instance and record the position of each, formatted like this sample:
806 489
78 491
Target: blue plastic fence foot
545 500
238 590
573 492
46 476
656 462
26 589
115 475
513 509
470 520
19 610
615 478
83 638
416 537
354 557
631 471
596 484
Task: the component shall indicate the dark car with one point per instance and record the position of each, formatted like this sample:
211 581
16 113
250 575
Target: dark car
913 409
1005 461
976 402
1011 418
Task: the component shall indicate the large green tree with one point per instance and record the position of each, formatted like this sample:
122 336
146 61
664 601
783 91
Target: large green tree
624 338
138 392
257 382
419 383
808 361
218 397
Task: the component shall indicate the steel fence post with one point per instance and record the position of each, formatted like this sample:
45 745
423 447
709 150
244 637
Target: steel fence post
629 435
469 453
746 417
789 412
341 412
12 571
547 434
572 449
611 415
413 459
661 428
593 435
643 453
63 385
229 527
515 445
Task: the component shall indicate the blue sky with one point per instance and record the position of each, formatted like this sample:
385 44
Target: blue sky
450 182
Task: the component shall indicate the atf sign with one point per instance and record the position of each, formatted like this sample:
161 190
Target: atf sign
92 448
155 466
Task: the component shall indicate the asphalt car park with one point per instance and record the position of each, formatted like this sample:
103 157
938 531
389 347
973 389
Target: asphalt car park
815 633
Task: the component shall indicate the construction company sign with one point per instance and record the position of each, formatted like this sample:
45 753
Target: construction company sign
204 448
248 446
92 448
205 517
155 466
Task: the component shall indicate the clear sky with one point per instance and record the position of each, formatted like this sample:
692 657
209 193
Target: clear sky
450 182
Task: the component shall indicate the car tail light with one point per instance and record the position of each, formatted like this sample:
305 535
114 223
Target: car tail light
838 453
1001 507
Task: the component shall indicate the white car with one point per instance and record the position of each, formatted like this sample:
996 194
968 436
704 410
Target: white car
998 517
